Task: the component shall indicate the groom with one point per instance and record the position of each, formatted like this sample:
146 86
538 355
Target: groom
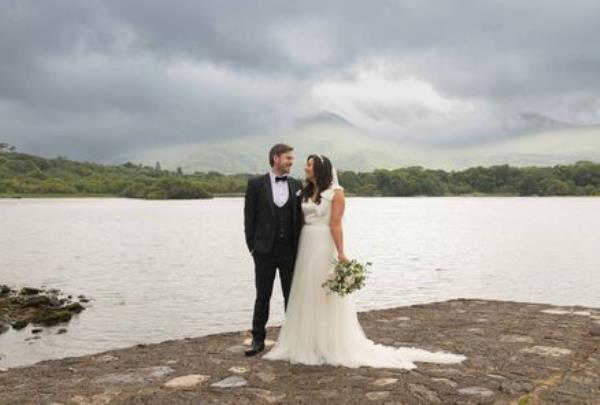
272 222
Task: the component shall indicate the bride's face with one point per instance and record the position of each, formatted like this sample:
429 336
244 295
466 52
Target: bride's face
308 171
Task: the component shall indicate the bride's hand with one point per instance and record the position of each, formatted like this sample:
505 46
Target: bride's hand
342 258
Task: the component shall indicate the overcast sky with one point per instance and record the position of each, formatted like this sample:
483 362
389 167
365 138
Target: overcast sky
91 79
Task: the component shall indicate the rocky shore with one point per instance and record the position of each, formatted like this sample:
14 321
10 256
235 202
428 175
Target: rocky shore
38 306
517 353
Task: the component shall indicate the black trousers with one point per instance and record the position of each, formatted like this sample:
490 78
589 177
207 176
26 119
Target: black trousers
282 257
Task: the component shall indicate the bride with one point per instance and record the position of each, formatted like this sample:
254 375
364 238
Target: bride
321 328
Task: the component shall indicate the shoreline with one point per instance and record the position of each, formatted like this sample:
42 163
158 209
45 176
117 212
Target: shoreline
516 351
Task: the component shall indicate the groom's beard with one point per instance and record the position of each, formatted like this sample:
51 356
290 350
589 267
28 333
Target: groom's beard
285 170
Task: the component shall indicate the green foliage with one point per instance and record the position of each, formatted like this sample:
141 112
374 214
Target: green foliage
22 173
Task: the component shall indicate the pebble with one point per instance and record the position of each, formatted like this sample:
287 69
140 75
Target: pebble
479 391
447 381
328 393
377 395
267 395
238 369
385 381
233 381
516 338
107 358
186 381
266 376
424 393
547 351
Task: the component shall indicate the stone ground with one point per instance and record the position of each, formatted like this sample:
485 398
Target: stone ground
517 353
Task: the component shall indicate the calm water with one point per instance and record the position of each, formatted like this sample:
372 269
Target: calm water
159 270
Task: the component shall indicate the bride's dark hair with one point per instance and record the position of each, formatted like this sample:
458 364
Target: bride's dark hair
322 170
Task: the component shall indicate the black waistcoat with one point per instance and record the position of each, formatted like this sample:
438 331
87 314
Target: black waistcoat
283 222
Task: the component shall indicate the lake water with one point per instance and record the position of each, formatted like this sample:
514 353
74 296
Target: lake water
159 270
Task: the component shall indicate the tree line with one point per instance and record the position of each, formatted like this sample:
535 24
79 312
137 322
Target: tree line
26 174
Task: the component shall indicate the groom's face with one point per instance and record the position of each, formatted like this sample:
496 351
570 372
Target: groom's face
284 162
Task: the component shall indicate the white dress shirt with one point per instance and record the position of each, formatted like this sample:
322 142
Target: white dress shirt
280 189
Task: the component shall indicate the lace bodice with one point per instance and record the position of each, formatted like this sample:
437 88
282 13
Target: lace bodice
320 213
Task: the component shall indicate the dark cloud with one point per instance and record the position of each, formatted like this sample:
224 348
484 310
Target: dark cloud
93 78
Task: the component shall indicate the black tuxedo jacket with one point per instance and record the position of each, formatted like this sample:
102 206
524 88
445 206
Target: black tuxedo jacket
259 213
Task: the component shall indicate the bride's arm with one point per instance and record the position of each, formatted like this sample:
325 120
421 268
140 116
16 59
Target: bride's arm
338 205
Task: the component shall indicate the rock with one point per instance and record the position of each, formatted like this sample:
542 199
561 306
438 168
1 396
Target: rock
446 381
479 391
516 338
61 331
425 394
402 318
238 369
35 301
53 317
326 380
3 328
267 395
266 376
30 291
135 376
547 351
186 381
106 358
20 324
74 307
98 399
328 394
559 311
385 381
54 302
4 289
233 381
36 330
215 360
377 395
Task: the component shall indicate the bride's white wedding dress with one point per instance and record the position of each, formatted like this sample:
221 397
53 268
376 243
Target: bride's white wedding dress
324 329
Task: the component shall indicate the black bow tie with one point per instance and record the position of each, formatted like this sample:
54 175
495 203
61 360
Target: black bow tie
280 178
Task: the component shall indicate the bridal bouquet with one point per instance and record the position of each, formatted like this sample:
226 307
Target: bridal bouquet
346 277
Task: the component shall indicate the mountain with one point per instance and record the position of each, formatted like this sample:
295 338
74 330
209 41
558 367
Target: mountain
353 149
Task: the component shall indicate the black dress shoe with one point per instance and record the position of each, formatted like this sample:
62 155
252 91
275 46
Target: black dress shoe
255 348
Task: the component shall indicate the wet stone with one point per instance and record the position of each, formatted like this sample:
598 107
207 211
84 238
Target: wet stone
478 391
377 395
269 396
385 381
266 376
424 393
186 381
233 381
547 351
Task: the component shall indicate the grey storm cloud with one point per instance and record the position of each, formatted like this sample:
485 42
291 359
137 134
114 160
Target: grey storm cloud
93 78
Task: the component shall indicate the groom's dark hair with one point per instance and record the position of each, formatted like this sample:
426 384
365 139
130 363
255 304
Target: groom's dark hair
277 150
